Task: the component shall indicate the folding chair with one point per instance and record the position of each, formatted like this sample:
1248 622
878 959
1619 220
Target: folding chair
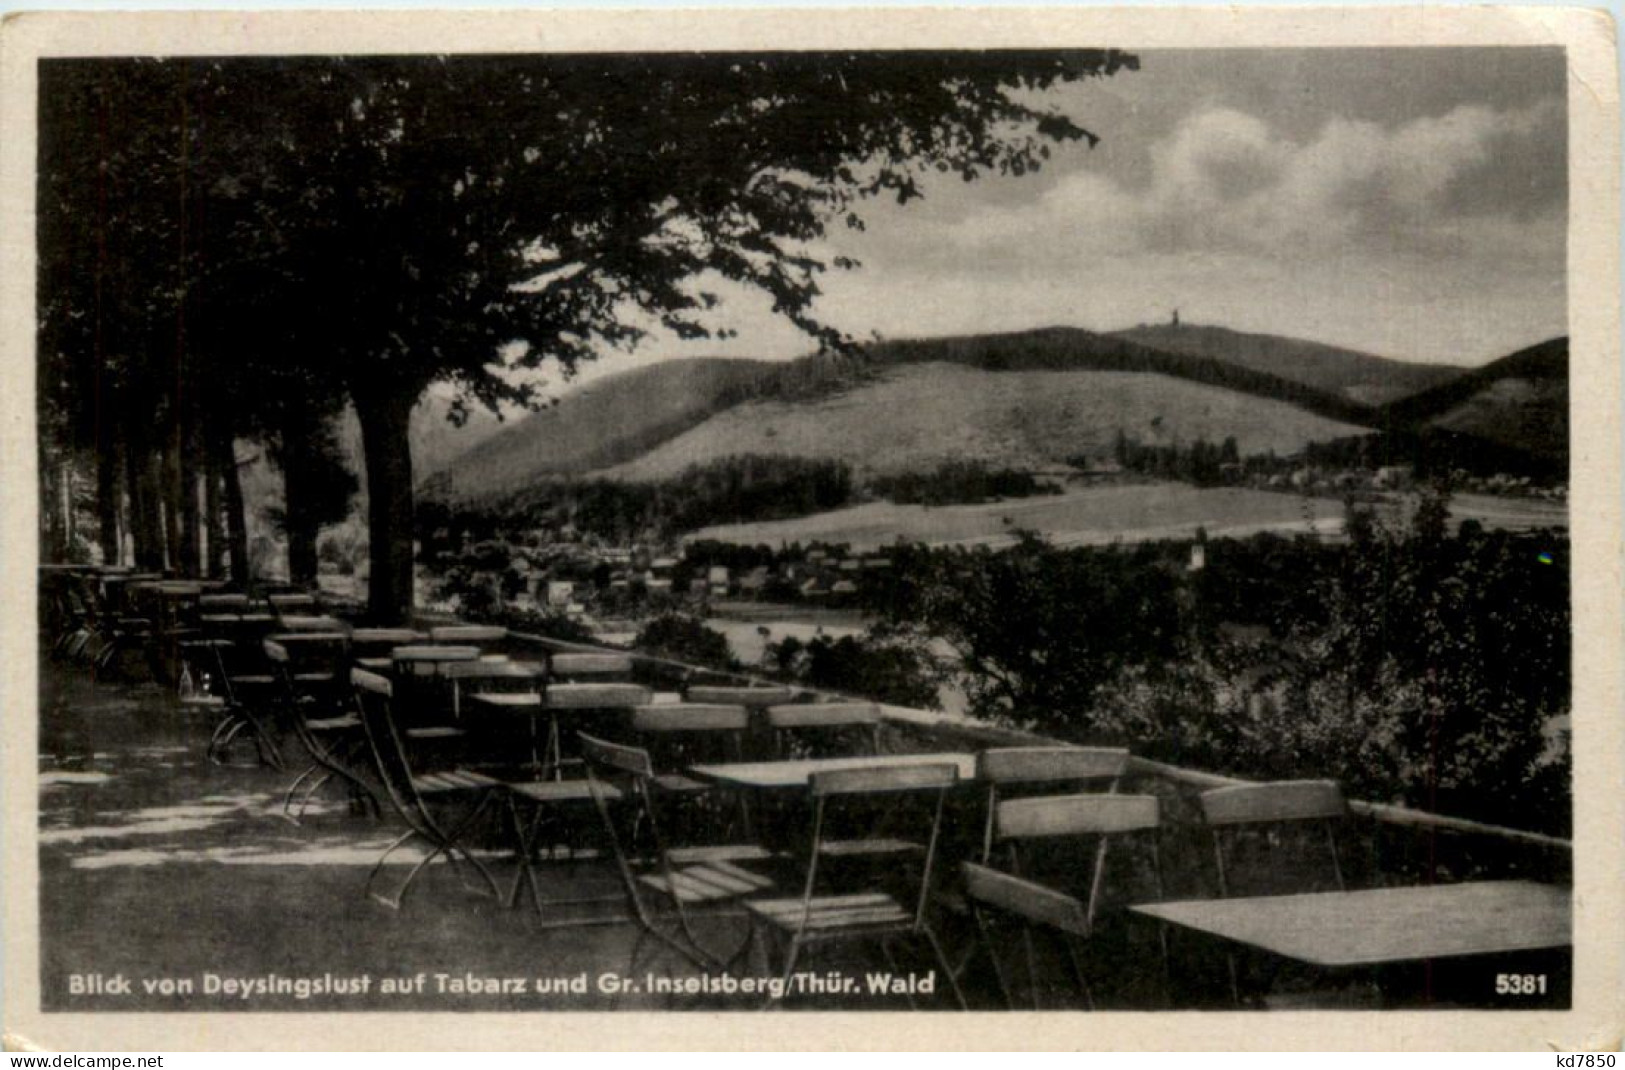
1025 821
1011 770
371 647
292 604
1233 811
243 712
818 729
684 734
548 798
868 916
409 793
477 677
584 701
1263 806
693 881
336 743
223 602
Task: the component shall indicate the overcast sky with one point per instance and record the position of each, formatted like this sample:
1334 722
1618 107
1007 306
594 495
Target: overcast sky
1407 202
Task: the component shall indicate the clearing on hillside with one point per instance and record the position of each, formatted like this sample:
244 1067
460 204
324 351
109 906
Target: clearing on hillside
915 417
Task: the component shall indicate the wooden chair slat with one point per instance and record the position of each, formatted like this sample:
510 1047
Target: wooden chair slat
1282 800
634 760
690 717
568 665
467 633
397 636
1032 765
754 697
596 696
822 714
1025 899
1075 815
371 682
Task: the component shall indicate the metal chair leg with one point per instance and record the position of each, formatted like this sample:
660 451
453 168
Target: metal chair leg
293 788
993 957
1079 973
378 865
942 960
789 967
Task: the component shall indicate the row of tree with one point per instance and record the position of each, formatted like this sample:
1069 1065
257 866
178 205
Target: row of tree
736 489
234 249
1200 462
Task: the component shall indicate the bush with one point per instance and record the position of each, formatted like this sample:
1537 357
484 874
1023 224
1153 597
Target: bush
868 667
680 638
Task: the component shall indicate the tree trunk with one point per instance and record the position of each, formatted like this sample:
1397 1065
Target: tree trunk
170 490
299 523
236 522
190 515
69 532
214 531
385 420
107 496
52 544
145 531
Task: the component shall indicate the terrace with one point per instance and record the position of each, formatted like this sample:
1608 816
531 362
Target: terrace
159 863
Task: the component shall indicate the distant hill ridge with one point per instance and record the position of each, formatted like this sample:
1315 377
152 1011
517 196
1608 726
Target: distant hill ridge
1520 402
603 424
1548 360
641 423
1076 349
1350 373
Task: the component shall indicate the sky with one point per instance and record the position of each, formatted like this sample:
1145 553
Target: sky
1411 203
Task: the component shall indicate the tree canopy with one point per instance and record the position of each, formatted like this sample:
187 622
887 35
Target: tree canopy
379 224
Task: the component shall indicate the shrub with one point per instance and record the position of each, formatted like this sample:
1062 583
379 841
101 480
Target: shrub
685 639
866 666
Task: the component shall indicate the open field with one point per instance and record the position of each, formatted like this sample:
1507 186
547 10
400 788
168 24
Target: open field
1136 513
1098 515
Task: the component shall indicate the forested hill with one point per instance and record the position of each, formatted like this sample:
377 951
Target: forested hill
1521 400
1075 349
1348 373
605 423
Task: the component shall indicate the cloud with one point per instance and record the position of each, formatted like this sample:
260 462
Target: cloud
1440 237
1224 181
1471 181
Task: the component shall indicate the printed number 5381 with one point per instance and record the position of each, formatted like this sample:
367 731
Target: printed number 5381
1520 984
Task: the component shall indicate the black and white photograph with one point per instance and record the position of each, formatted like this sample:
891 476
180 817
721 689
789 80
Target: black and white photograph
1075 527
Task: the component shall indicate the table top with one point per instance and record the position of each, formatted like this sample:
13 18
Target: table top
795 774
170 590
286 638
398 636
466 671
1381 925
307 623
435 653
236 618
516 700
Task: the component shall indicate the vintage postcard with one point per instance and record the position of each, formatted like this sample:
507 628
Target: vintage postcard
574 529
